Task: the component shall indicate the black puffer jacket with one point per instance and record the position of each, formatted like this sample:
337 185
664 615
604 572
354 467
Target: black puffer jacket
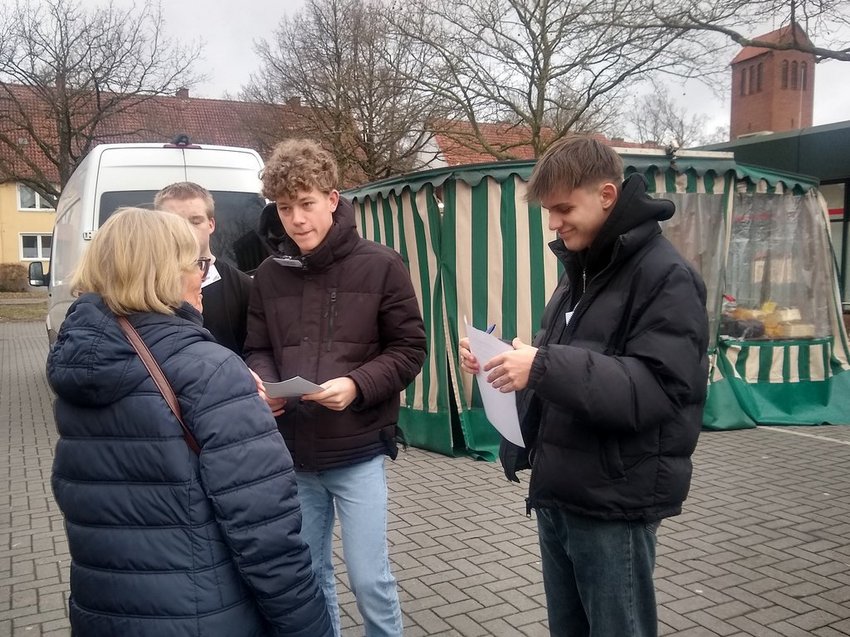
346 309
165 543
614 402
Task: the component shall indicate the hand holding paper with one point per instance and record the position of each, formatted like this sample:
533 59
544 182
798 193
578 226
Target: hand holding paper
509 371
499 407
335 394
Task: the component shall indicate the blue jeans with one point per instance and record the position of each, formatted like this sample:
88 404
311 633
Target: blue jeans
360 494
597 575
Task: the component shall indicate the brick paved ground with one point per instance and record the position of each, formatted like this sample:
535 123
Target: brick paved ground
763 547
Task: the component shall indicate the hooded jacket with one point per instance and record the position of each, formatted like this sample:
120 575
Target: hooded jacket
163 542
614 401
347 308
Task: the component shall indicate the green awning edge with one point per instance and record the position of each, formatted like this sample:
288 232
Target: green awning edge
500 171
792 181
471 174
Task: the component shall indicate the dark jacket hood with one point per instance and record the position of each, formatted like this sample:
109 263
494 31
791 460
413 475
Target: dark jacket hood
92 363
632 221
339 241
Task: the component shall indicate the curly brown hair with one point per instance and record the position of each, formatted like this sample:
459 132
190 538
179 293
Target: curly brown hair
297 165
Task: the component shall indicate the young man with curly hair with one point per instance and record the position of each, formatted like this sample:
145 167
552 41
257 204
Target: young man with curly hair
340 311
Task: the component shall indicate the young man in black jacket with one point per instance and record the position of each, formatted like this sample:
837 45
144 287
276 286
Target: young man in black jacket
610 396
226 289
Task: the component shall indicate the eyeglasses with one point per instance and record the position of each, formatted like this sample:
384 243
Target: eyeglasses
204 266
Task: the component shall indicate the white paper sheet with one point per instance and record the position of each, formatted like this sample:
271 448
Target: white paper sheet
292 388
500 408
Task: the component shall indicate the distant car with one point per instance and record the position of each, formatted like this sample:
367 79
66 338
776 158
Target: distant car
116 175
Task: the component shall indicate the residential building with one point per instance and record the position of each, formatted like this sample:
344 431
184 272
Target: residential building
455 143
26 224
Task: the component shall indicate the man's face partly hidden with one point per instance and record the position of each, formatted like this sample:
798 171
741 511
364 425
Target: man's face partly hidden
308 217
195 212
578 215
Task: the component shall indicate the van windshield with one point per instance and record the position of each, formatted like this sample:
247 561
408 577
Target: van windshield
236 215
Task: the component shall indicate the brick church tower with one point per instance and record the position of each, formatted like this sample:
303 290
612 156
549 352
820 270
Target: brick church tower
772 90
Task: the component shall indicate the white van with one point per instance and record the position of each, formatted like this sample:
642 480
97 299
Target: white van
116 175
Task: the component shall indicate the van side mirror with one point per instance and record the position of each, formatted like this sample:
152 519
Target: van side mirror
37 276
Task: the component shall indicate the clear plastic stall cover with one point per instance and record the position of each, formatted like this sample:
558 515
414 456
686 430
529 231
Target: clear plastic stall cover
697 230
779 254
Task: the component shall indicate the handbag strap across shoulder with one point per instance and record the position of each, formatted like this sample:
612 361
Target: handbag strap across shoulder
158 378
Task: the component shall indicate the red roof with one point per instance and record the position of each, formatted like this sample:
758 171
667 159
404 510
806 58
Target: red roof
154 119
459 144
783 35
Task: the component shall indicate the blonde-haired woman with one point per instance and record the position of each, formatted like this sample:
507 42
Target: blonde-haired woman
166 541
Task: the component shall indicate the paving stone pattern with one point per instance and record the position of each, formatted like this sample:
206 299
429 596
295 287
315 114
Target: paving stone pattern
762 548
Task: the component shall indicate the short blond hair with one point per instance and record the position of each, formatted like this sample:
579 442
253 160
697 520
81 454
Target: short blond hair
183 190
297 165
136 261
574 162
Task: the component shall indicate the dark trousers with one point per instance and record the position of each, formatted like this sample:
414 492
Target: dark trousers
598 575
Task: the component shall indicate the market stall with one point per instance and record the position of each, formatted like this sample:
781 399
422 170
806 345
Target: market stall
477 250
782 346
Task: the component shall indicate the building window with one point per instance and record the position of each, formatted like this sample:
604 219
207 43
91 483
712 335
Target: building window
784 73
793 75
744 80
804 80
35 247
759 76
29 199
752 80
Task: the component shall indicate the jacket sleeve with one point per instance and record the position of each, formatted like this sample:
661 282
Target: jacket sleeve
258 349
246 471
402 335
663 367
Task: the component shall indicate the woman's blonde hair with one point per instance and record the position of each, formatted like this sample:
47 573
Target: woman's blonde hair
136 261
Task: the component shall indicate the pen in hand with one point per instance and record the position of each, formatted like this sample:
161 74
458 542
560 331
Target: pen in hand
491 328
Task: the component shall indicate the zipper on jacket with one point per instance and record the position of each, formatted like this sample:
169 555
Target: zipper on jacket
584 288
331 316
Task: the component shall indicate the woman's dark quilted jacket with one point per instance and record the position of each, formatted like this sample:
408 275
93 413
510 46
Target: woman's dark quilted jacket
164 542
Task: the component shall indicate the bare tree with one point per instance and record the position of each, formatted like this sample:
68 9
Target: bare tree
657 117
67 75
353 79
825 24
550 66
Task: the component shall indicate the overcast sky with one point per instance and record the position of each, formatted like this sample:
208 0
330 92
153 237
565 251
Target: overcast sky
229 29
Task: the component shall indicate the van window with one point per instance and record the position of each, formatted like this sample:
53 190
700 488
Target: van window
236 216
